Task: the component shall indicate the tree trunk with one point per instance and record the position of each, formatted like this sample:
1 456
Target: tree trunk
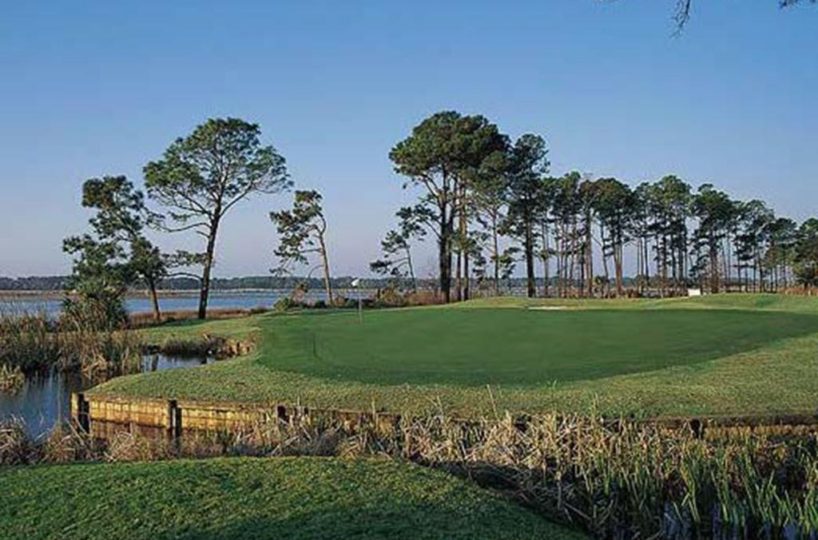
529 259
618 256
325 264
157 314
444 266
464 232
411 270
496 254
204 289
457 280
589 255
444 249
714 266
646 260
545 257
604 259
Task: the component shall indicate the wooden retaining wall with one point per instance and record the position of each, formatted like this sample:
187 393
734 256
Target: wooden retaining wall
103 417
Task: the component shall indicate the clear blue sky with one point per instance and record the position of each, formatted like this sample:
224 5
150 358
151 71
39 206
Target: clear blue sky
92 88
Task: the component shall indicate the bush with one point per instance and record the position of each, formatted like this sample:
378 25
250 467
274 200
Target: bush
103 310
423 298
390 297
283 304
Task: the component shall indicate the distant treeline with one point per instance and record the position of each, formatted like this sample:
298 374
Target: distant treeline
34 283
59 283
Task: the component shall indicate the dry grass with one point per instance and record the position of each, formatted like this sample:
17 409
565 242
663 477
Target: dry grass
15 446
11 378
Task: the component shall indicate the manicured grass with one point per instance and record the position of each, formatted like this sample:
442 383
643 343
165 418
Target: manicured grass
479 347
315 498
729 354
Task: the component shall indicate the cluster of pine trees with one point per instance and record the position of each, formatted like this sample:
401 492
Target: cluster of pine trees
489 203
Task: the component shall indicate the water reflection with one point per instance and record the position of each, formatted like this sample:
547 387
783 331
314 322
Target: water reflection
44 399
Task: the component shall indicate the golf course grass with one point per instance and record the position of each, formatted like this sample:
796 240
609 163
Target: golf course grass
315 498
716 355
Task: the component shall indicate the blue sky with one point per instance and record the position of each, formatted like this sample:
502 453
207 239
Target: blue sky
92 88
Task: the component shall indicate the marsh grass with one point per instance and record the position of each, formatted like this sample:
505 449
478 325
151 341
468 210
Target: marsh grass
32 342
66 443
28 341
11 378
15 445
100 353
612 479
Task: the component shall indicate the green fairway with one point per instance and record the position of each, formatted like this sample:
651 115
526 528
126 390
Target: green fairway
309 498
729 354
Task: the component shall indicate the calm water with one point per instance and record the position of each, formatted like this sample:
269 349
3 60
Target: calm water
183 301
44 400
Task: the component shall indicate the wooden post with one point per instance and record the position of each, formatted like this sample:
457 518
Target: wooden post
80 411
174 422
281 413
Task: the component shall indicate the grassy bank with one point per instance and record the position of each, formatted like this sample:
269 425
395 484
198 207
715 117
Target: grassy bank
256 498
720 355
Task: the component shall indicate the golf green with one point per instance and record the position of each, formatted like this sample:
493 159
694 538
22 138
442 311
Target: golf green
471 347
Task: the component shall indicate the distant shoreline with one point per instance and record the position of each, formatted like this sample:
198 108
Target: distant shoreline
52 295
167 293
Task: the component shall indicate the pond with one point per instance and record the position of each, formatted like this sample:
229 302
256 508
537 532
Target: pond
44 400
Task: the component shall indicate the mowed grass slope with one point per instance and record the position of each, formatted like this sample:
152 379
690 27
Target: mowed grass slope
717 355
293 498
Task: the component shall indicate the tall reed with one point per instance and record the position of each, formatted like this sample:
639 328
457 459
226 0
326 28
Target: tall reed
32 342
27 341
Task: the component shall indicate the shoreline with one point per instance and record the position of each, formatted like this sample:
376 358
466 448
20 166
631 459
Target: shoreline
167 293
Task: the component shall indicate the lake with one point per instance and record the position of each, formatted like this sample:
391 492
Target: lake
44 400
180 301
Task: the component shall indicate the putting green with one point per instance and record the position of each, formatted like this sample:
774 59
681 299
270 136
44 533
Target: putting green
472 347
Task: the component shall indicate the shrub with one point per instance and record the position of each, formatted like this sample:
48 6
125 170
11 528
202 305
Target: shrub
423 298
103 311
390 297
283 304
